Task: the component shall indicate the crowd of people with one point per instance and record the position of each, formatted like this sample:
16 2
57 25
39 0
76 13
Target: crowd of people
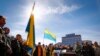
79 49
15 46
9 45
86 49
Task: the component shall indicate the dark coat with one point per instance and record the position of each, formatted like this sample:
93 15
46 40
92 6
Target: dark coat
88 51
2 49
16 48
3 44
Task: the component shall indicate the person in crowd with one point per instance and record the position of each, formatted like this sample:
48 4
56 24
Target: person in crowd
7 31
2 21
87 50
38 51
78 48
70 48
50 49
8 40
18 46
44 50
24 52
57 50
3 45
96 49
47 51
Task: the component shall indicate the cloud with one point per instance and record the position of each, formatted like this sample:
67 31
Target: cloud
62 9
44 9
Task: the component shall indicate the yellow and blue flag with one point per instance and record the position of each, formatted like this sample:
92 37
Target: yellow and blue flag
31 35
30 42
31 32
49 35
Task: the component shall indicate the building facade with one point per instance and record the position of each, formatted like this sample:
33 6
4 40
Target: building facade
71 39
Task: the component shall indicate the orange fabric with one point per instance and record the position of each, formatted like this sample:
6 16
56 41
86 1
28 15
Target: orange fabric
39 51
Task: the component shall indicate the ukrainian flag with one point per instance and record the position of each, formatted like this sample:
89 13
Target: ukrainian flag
49 35
31 32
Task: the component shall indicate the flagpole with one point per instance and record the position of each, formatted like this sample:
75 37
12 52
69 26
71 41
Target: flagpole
33 49
44 36
43 40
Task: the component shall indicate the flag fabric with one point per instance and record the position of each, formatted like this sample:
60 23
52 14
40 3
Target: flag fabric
49 35
30 42
31 32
